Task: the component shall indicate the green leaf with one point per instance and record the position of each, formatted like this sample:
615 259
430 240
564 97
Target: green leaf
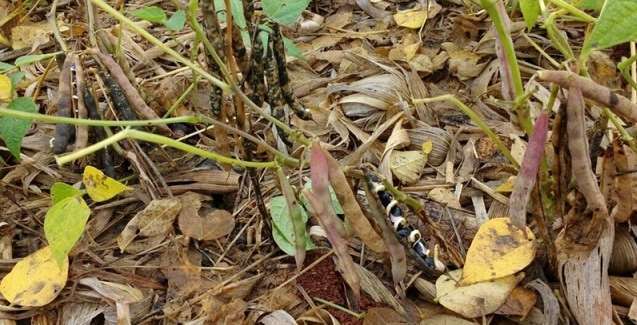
64 224
338 209
238 17
16 77
152 14
12 130
591 4
291 49
530 11
615 25
61 191
283 230
28 59
6 66
177 21
284 12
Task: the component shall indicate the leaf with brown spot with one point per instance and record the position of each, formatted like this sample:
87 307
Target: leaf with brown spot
519 303
498 249
35 280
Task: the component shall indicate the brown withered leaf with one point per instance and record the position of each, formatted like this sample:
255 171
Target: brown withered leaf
519 303
383 316
155 220
213 225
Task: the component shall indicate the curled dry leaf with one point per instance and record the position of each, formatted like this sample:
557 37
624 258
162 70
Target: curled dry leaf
30 35
473 300
445 196
551 304
123 295
213 225
35 280
413 19
498 249
407 166
155 220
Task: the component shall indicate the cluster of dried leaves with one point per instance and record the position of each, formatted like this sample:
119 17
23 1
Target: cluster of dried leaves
190 240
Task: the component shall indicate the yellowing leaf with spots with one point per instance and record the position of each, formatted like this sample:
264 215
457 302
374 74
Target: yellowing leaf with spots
99 186
6 89
498 249
35 280
475 300
413 19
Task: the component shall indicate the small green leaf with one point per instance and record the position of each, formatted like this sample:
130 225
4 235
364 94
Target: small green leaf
60 191
64 224
28 59
284 12
16 77
283 230
615 25
591 4
291 49
6 66
12 130
152 14
237 12
338 209
530 11
177 21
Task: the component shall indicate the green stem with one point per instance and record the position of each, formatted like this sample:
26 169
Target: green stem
476 119
509 52
162 140
117 15
619 124
181 98
87 122
624 68
574 11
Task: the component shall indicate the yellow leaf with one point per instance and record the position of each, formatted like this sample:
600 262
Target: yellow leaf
411 18
427 147
474 300
35 280
404 52
506 187
99 186
498 249
6 89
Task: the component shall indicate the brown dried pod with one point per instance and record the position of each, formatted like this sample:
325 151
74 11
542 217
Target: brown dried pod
624 257
440 138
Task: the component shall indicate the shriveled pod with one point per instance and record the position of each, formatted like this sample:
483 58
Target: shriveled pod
624 257
440 139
